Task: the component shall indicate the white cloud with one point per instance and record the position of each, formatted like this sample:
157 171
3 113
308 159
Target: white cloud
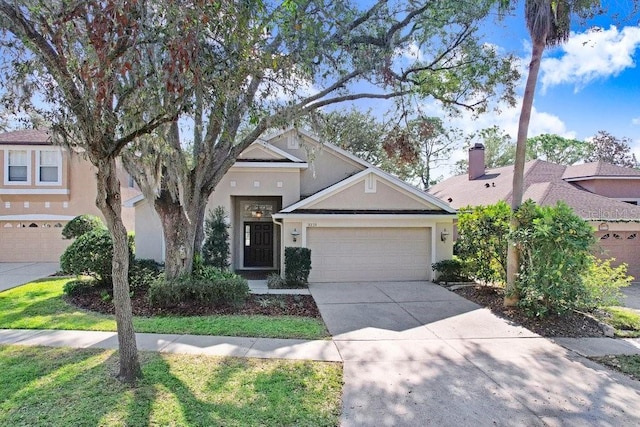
635 121
592 55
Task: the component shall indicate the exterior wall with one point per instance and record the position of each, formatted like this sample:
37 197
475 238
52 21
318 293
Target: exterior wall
614 188
357 197
149 236
325 166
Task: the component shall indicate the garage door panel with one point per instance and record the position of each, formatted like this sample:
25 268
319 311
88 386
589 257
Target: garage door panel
369 254
31 244
624 246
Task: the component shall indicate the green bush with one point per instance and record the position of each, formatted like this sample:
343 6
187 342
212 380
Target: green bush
483 233
215 250
91 254
275 281
451 270
80 225
603 282
142 272
555 248
297 266
79 286
210 286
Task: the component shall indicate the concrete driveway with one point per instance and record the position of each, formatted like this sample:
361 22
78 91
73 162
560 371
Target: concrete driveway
13 274
417 354
632 294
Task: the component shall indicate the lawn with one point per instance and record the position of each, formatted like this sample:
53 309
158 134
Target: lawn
75 387
40 305
624 320
627 364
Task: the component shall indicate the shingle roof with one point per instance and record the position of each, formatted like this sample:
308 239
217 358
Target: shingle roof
26 137
598 169
544 184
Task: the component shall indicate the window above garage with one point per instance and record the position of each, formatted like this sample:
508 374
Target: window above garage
32 171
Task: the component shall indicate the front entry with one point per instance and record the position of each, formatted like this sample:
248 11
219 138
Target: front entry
258 244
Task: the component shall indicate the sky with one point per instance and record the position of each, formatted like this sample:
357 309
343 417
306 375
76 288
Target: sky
588 84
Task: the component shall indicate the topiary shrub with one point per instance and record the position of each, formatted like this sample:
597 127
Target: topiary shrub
215 250
79 286
451 270
209 286
297 266
91 254
80 225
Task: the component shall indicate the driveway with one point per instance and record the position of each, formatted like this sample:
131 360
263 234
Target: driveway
13 274
417 354
632 294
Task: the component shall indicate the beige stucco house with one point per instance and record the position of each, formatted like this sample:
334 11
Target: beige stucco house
606 195
42 187
290 189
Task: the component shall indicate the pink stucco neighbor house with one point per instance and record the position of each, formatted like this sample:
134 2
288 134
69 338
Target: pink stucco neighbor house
606 195
289 189
42 187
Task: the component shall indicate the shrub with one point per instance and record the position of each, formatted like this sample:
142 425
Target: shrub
603 282
215 250
275 281
210 287
142 272
80 225
79 286
451 270
297 266
91 254
555 250
483 233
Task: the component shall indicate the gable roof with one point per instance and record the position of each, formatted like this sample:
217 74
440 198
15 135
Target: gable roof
426 200
546 184
267 152
26 137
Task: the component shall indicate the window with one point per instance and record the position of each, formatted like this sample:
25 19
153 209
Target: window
49 163
18 166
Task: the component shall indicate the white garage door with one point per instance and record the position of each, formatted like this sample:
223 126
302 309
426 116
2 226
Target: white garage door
31 241
369 254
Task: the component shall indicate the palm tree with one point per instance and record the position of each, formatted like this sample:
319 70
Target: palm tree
548 22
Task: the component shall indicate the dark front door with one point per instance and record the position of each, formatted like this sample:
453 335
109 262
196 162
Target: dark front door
258 244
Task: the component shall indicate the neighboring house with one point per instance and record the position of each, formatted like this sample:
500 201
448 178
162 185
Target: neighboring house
43 186
603 194
289 189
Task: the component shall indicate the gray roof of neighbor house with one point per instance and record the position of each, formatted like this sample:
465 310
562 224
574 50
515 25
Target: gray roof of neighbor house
26 137
546 184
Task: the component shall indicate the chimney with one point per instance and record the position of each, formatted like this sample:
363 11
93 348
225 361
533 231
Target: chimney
476 161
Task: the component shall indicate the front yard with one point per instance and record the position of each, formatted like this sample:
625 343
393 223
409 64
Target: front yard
40 305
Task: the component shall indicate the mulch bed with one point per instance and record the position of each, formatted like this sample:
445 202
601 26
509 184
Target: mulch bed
572 325
266 305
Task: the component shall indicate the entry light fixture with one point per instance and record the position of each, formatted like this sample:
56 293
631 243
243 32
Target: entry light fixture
295 234
443 235
258 214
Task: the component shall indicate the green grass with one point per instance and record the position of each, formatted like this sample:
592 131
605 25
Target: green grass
625 321
76 387
39 305
629 364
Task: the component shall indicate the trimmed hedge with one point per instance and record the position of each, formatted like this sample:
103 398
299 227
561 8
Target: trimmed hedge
297 266
80 225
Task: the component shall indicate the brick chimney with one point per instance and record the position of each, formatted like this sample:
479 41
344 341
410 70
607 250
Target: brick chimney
476 161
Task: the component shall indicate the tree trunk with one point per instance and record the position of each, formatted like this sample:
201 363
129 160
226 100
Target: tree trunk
180 227
513 256
109 203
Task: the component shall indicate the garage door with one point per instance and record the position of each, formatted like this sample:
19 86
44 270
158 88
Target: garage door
369 254
624 246
31 241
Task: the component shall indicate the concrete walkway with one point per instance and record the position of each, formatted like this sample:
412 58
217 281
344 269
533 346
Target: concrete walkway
13 274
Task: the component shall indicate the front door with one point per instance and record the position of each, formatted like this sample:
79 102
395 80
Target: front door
258 244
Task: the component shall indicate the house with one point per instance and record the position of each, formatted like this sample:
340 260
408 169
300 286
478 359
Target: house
289 189
606 195
43 186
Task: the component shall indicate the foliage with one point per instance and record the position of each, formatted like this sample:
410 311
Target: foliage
607 148
91 254
275 281
208 286
555 244
624 320
80 225
603 283
452 270
142 272
499 149
39 385
297 266
79 286
556 149
482 240
215 250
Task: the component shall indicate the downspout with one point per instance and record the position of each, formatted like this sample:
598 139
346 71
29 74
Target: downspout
281 225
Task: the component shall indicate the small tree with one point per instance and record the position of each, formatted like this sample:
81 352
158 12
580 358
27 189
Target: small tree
215 250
